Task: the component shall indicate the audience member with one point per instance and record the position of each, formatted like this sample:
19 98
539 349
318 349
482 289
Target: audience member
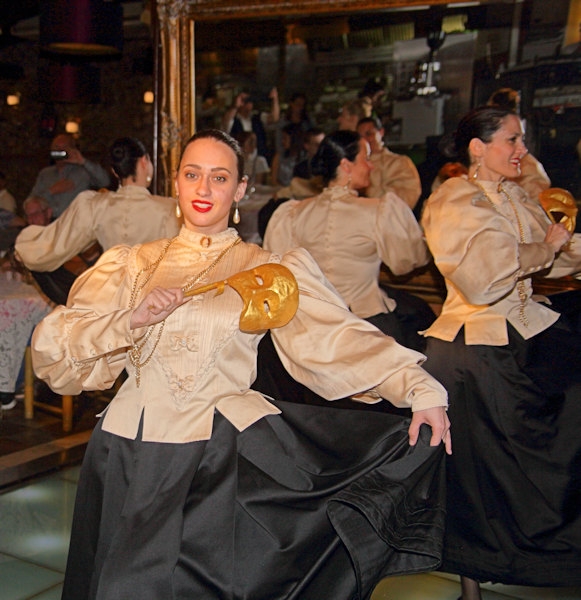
241 117
391 172
10 226
10 359
129 215
372 94
7 201
54 285
284 162
311 142
256 166
208 112
70 174
351 113
511 365
295 114
9 219
10 223
37 211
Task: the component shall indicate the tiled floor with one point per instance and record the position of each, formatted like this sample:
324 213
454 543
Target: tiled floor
35 517
34 531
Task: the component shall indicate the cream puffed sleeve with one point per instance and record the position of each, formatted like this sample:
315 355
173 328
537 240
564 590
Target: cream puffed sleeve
475 247
336 354
82 346
400 239
45 248
278 236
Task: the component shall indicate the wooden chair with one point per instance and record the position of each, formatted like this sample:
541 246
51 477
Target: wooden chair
66 409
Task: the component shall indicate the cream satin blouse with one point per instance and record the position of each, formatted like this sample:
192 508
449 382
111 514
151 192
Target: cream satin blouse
394 173
349 237
131 215
487 244
201 361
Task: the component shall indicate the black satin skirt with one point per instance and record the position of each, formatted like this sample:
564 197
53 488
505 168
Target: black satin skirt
411 315
313 504
514 479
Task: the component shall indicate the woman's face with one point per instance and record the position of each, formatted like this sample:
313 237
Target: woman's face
500 158
207 184
361 167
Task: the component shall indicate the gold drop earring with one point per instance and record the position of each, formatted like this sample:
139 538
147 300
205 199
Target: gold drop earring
475 174
236 215
178 209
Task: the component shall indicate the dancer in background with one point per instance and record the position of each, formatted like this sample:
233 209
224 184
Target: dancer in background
511 365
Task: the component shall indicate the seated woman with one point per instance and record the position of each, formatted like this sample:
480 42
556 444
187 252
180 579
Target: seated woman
511 365
128 215
195 486
350 237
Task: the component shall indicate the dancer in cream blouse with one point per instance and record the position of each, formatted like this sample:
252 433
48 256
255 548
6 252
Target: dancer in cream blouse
511 364
194 485
128 215
351 236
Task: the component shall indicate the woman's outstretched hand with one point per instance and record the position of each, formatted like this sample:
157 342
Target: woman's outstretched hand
157 306
437 419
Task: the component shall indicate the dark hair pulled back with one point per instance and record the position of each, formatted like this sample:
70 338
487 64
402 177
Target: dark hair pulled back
482 123
335 147
224 138
124 154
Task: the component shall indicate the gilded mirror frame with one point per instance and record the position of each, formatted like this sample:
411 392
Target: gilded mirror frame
175 60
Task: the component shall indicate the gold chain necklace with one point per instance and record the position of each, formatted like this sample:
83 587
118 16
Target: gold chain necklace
520 284
134 352
220 256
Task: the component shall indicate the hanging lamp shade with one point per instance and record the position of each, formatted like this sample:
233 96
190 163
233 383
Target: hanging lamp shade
91 27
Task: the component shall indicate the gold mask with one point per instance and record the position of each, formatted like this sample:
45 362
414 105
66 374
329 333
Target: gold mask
561 207
270 294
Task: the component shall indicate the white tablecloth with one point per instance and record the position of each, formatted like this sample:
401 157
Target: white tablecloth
21 308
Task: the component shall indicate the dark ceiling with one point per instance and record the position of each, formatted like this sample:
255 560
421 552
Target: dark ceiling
252 33
12 13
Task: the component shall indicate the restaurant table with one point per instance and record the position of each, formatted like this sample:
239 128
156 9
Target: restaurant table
21 308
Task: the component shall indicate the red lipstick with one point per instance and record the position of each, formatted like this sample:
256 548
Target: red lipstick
201 206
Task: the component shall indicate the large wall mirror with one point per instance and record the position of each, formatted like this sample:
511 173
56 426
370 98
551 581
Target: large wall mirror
436 59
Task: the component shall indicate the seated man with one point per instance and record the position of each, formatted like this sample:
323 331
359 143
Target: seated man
69 174
391 172
311 142
56 283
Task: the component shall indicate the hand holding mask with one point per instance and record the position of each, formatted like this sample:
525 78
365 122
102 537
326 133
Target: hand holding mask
270 294
560 206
